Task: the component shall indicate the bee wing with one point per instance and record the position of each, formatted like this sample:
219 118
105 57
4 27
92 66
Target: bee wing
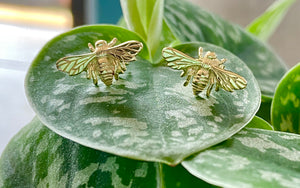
229 80
74 64
126 51
178 60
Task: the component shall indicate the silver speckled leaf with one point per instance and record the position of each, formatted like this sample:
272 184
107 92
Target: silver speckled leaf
147 114
251 158
37 157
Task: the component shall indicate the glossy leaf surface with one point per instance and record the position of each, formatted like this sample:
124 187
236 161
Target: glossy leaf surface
147 114
285 113
190 23
37 157
251 158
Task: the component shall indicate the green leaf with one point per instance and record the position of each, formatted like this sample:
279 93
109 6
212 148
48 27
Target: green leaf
37 157
251 158
285 111
259 123
190 23
147 114
145 18
132 17
265 109
264 26
166 39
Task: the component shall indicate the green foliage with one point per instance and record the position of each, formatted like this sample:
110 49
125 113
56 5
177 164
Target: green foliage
259 123
38 157
285 111
265 110
127 134
264 26
146 19
251 158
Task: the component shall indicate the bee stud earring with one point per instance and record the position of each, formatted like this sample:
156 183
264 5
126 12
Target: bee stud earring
205 71
105 60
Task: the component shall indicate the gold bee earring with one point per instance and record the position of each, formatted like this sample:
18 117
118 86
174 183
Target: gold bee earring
206 71
105 60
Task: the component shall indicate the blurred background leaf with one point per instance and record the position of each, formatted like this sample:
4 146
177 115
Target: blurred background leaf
285 111
265 25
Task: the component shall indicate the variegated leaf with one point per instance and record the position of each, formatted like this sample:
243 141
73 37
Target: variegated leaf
37 157
252 158
285 113
147 114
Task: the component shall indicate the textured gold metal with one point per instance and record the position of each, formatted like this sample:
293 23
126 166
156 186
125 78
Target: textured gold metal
105 60
205 71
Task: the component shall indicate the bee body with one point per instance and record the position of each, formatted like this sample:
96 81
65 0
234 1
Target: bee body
106 71
200 81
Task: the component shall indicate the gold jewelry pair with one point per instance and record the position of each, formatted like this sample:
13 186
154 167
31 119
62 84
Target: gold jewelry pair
108 61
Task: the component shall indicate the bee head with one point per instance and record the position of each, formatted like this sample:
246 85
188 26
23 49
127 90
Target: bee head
211 55
100 43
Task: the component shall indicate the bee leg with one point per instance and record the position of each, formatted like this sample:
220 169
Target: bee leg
217 87
112 42
184 73
93 75
116 75
209 88
95 81
88 76
196 92
187 80
91 47
200 52
223 60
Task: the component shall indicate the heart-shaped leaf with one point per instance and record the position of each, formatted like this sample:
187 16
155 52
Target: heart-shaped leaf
285 111
147 114
251 158
190 23
37 157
